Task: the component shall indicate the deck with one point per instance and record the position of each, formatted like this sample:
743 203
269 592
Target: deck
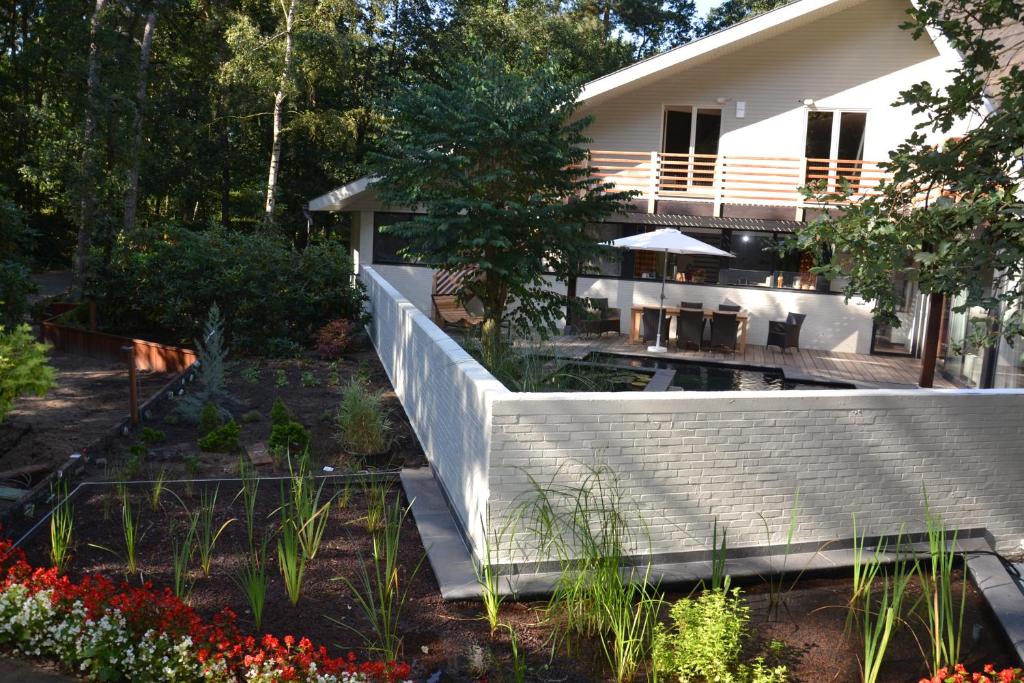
865 371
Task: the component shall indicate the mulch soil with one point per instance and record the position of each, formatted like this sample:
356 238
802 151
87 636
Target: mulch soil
90 397
450 637
309 387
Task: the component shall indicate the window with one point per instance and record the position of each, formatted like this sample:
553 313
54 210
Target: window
387 247
689 140
835 139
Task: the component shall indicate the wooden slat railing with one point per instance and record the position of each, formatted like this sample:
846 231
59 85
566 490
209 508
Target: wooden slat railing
731 179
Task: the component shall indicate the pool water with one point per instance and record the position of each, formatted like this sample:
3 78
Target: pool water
700 376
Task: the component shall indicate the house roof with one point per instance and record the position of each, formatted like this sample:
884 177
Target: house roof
747 32
352 197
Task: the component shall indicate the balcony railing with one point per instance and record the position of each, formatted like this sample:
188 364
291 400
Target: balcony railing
726 179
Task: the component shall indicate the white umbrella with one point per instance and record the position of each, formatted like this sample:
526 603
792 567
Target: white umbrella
670 241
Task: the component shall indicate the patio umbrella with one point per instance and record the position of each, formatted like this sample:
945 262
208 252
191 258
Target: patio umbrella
670 241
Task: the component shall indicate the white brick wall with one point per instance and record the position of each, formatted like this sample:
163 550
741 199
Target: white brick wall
683 460
445 393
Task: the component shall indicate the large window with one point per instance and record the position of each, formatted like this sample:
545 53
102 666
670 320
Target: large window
387 247
835 141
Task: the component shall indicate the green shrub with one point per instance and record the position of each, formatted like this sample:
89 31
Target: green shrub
362 423
279 413
223 439
209 419
23 367
288 437
251 416
15 275
151 436
274 296
705 640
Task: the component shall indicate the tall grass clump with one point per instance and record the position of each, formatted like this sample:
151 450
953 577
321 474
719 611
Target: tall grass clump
776 578
251 580
208 533
488 578
291 560
183 549
362 421
380 593
879 622
944 609
62 527
599 594
309 516
248 493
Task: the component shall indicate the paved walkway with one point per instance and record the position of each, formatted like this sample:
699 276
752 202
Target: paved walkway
865 371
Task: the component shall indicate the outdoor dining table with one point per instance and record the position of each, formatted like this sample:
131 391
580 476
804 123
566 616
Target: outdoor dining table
670 312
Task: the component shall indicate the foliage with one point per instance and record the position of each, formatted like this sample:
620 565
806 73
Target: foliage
287 437
62 527
729 12
108 632
497 166
15 275
291 559
950 218
944 609
304 507
597 593
156 492
879 623
335 339
274 295
183 548
363 424
705 640
23 367
207 533
209 419
210 374
251 416
279 413
151 437
381 593
223 439
251 579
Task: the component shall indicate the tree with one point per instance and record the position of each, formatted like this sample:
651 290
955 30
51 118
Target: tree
131 200
23 367
732 12
88 182
951 216
494 158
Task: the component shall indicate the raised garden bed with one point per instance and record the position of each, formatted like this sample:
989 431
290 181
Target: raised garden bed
807 634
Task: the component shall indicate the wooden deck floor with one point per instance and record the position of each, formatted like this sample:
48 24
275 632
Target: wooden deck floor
865 371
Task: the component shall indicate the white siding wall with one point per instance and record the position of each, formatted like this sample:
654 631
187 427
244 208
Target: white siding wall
857 58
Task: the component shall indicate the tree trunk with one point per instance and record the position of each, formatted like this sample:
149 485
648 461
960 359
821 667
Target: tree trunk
88 180
131 199
932 330
275 148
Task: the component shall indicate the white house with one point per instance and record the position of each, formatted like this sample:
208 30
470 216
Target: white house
717 136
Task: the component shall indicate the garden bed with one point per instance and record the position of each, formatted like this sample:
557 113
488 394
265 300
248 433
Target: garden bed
807 635
311 390
89 399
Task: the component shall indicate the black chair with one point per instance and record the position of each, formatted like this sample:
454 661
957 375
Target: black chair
691 304
690 328
785 334
593 316
649 325
724 327
729 308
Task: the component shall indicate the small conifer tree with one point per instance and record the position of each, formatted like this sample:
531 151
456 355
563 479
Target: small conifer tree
211 373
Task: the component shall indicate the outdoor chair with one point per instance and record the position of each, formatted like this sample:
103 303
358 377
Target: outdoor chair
785 334
692 304
729 308
690 328
724 327
594 317
649 325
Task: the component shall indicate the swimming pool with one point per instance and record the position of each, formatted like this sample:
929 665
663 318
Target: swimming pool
709 376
